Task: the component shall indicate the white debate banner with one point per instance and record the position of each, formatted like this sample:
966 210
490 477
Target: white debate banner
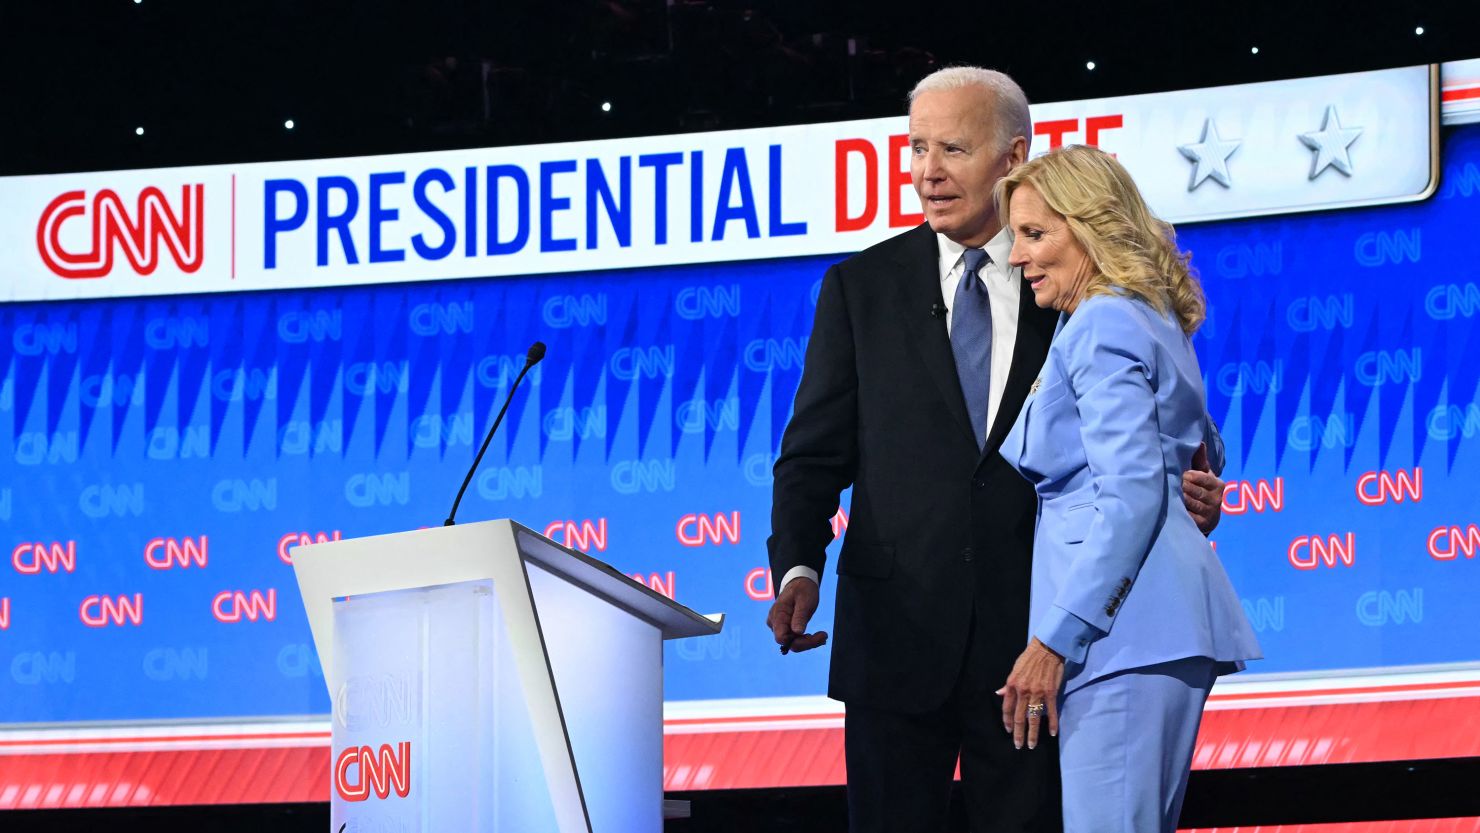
1268 148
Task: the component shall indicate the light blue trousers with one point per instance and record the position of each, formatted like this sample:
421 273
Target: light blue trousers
1125 747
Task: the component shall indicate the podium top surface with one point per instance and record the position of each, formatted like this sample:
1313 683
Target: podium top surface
675 620
448 554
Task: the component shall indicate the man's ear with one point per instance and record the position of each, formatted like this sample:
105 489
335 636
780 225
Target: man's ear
1017 152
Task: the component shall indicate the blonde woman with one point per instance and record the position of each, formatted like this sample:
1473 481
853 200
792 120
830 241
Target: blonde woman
1132 614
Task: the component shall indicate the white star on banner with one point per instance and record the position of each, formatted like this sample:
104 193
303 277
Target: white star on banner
1210 156
1330 144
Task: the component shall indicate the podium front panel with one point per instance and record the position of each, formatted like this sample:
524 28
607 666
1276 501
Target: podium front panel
431 729
608 670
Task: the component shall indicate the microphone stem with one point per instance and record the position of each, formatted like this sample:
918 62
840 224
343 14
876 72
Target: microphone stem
486 440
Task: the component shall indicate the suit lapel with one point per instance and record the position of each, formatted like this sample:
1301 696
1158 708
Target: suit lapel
1034 332
919 291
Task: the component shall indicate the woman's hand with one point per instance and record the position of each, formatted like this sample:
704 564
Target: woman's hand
1035 680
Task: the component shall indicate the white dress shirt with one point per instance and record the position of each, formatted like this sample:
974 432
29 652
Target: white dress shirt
1004 287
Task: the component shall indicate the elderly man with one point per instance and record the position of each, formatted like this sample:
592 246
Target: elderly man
921 355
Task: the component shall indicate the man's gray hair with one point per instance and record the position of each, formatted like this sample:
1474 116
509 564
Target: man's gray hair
1011 105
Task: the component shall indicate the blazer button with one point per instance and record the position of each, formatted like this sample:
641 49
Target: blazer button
980 484
967 554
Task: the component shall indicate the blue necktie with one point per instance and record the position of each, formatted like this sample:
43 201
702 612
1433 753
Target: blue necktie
971 341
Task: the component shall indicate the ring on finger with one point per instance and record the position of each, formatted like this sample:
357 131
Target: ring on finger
1036 709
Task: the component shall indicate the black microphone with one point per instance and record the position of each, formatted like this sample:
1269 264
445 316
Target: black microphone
532 358
938 311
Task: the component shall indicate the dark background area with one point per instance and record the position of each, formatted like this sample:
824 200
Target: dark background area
214 82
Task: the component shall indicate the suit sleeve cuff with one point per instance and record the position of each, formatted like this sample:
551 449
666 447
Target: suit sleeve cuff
1066 634
795 573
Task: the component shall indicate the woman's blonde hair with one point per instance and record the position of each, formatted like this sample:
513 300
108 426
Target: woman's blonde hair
1132 250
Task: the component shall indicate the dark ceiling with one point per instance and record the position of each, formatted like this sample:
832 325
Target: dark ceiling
212 81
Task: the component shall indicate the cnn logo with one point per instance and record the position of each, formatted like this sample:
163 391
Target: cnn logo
360 771
103 611
231 606
31 559
696 530
106 225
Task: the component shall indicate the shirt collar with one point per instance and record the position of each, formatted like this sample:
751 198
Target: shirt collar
999 248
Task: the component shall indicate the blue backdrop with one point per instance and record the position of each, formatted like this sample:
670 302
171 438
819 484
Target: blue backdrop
162 454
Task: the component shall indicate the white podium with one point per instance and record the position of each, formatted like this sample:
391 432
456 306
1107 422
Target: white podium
485 678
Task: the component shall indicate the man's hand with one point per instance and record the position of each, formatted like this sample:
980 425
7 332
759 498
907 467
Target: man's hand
790 614
1202 491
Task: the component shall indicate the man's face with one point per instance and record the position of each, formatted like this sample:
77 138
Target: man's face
955 161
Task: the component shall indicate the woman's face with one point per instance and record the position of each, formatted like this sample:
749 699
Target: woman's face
1054 264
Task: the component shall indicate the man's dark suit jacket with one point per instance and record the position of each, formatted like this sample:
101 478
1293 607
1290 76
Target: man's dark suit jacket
938 531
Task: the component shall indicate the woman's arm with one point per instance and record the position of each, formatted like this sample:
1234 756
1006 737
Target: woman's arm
1110 356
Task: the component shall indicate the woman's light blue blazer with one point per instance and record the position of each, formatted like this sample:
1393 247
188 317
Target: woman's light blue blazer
1122 577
